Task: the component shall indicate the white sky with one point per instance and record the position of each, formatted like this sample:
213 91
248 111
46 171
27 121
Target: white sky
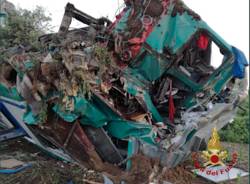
228 18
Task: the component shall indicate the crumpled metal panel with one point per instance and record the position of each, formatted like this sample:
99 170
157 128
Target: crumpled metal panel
138 85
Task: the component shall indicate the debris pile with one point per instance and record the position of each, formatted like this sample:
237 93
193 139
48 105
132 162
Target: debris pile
143 84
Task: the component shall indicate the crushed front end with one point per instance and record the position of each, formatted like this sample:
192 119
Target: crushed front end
143 84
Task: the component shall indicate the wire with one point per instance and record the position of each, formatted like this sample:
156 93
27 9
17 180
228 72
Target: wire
122 6
146 8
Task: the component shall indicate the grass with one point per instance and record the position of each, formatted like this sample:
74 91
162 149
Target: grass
238 130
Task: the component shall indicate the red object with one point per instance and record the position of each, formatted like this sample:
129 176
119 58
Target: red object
202 42
214 159
171 107
137 42
118 18
148 28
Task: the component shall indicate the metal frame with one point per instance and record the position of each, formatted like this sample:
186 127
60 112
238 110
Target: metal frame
20 129
16 131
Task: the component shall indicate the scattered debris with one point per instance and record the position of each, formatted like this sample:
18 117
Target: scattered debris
10 163
61 172
12 166
110 96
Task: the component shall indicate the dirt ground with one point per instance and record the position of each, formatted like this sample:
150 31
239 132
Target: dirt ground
46 170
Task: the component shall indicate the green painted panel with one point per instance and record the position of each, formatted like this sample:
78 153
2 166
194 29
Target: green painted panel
11 93
123 129
172 32
89 113
122 24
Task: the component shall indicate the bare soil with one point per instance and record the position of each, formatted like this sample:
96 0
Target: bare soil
46 170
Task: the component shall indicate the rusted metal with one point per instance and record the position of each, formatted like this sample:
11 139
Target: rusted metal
72 130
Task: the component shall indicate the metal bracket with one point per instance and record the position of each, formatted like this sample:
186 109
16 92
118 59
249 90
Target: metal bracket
16 131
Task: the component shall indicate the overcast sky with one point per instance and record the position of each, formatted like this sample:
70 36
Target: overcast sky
229 18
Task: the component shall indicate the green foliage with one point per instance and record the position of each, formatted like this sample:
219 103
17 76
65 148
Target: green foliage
238 131
104 59
102 54
24 27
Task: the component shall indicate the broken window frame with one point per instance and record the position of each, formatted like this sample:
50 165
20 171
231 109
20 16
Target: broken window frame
212 85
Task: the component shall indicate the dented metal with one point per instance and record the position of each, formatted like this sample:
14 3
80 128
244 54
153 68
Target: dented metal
143 84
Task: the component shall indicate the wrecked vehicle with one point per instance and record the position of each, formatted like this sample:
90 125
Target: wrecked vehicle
143 84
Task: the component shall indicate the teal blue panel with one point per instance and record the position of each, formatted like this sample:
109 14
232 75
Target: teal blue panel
226 75
150 68
132 89
172 32
134 76
90 115
65 115
109 113
183 78
156 115
122 24
29 65
122 129
29 118
11 93
88 110
131 151
216 37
